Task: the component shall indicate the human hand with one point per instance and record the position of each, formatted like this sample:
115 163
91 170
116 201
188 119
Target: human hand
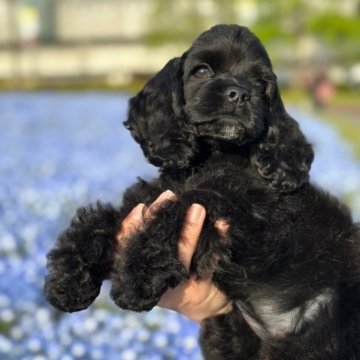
195 298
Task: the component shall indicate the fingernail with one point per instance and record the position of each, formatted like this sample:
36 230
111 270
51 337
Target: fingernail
168 194
137 212
195 213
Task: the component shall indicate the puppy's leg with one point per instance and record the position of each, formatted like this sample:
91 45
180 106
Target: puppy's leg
229 337
82 258
150 262
84 252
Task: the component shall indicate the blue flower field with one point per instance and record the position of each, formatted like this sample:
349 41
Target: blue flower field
62 150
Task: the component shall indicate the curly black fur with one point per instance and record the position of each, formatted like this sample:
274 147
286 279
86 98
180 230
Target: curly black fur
214 122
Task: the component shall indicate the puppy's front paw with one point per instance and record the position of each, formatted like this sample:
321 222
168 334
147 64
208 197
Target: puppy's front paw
145 273
69 286
82 259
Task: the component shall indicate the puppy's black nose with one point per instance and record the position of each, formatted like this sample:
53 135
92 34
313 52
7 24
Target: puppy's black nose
237 94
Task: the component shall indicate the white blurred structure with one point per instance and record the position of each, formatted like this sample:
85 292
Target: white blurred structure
94 20
84 20
114 63
104 39
8 29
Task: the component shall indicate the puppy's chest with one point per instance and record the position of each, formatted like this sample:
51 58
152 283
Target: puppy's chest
226 180
268 317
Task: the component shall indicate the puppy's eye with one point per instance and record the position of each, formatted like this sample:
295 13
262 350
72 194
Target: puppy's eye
202 72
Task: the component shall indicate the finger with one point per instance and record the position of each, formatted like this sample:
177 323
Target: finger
166 195
190 234
131 223
222 226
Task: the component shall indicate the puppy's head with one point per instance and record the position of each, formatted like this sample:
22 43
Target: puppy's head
221 91
227 78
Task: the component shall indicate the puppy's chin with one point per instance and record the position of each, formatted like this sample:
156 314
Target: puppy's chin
230 129
227 129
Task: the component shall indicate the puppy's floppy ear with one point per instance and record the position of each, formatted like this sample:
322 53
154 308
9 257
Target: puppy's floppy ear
157 121
283 155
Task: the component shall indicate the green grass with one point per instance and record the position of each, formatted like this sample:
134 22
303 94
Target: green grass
5 327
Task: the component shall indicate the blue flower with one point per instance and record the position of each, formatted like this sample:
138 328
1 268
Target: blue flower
54 157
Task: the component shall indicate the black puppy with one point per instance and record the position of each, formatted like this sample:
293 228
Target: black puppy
214 122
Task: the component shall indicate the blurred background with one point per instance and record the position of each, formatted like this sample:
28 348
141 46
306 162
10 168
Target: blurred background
67 70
